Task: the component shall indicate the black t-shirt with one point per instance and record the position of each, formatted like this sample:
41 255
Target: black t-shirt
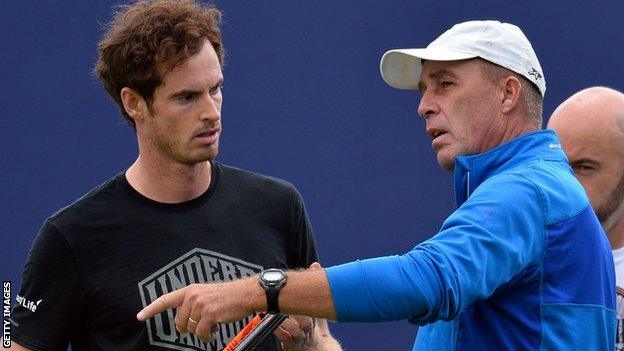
97 262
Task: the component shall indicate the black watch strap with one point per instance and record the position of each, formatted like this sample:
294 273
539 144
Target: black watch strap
272 295
272 280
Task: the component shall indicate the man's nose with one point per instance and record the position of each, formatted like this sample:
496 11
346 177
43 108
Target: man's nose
211 109
427 106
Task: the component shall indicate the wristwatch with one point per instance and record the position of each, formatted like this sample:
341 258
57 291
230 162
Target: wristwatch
272 280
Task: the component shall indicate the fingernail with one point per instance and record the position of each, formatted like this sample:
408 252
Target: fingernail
140 316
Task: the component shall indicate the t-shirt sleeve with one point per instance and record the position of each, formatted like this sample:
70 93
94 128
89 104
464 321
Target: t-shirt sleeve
303 249
48 303
483 245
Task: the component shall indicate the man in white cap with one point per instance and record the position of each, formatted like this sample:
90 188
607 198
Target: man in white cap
522 264
590 125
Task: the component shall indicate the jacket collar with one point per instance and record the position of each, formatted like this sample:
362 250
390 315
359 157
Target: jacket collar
470 171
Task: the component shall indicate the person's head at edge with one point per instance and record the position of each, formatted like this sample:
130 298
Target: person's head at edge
481 85
161 63
590 125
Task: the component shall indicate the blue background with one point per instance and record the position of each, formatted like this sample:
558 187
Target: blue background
303 101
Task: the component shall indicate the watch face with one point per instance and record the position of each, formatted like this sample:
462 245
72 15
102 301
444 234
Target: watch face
272 276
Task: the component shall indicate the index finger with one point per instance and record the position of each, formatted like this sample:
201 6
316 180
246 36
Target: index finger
170 300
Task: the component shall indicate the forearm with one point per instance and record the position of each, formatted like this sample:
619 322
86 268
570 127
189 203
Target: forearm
305 293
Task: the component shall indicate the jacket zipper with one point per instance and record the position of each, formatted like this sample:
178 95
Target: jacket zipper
467 184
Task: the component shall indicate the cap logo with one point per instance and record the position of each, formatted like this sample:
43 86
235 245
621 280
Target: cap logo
533 72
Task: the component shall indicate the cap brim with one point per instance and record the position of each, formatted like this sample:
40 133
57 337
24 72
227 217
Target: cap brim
401 68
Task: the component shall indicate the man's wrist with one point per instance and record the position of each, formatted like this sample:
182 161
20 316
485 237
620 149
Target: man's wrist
256 294
272 281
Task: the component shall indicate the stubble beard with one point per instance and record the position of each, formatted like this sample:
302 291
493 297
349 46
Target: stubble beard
176 151
199 157
612 203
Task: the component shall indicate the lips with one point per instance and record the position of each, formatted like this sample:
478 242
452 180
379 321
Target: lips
208 136
437 136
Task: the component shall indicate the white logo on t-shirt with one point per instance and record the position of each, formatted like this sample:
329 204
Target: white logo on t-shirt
27 304
195 266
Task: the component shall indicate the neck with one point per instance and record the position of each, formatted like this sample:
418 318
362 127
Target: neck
506 128
614 227
517 125
169 182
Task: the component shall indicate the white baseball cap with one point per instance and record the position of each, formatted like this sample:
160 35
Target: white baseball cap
500 43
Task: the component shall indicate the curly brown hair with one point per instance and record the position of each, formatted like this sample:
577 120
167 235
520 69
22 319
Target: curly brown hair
147 39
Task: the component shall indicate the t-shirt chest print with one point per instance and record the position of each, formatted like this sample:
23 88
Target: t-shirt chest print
195 266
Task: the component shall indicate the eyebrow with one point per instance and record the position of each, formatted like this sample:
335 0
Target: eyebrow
183 92
435 75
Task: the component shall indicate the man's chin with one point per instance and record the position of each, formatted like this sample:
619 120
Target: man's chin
206 155
446 163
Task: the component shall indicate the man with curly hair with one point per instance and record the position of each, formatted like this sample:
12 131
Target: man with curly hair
175 217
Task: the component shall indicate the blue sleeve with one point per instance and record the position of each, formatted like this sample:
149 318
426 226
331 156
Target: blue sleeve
484 244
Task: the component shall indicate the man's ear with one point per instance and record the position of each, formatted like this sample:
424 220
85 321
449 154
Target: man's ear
512 90
133 103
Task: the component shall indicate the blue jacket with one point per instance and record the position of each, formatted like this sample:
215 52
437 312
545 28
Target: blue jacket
522 264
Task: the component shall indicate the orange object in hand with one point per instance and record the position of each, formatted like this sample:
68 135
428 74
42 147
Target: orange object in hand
243 333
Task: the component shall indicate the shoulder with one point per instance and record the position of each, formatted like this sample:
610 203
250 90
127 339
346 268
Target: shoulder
248 181
510 188
94 204
559 192
505 199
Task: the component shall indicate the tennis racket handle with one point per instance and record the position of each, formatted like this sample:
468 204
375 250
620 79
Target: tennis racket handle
231 346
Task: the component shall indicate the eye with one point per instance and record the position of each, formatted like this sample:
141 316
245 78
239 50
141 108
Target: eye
445 84
216 90
188 97
583 168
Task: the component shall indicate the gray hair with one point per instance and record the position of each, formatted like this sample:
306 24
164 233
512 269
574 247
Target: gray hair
533 100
